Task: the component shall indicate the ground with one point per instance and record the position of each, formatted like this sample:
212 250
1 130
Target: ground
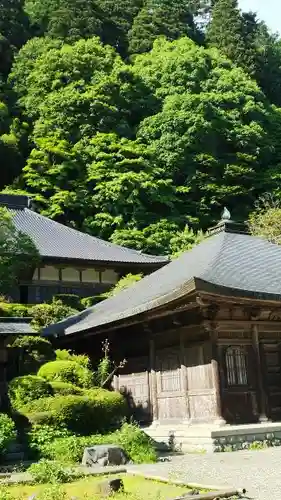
257 471
139 488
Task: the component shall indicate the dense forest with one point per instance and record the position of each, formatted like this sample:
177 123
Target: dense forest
138 120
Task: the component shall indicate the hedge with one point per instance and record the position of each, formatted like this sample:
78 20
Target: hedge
78 414
26 389
65 388
67 371
14 310
69 299
95 299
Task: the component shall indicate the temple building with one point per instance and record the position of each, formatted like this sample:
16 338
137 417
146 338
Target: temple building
202 336
72 262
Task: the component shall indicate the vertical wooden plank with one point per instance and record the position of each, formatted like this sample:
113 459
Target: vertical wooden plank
153 382
184 376
261 382
216 376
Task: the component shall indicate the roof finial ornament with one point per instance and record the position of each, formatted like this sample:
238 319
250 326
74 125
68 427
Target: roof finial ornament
225 214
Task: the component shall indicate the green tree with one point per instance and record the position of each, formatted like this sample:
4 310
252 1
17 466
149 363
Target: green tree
211 136
161 18
68 20
232 34
268 63
264 221
14 31
117 20
18 254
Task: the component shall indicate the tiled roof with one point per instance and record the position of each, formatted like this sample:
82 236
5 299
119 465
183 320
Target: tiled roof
244 264
58 241
15 326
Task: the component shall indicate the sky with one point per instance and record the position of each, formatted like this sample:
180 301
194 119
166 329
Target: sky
267 10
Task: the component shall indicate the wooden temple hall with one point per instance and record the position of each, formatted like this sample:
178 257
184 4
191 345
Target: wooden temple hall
202 336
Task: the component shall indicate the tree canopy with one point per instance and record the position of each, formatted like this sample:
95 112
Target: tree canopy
137 121
18 254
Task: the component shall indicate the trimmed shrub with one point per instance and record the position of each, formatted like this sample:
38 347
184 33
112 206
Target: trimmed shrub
67 355
95 299
25 389
7 432
138 445
46 314
35 351
49 472
69 300
14 310
67 371
78 413
65 388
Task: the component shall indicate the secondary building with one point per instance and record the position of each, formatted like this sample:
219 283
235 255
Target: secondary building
202 337
72 262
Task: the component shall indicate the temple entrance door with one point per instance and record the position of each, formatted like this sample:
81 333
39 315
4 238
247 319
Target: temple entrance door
238 384
271 361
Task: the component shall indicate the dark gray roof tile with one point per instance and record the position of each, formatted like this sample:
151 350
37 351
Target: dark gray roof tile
58 241
240 262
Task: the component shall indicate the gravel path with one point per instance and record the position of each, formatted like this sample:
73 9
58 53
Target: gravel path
257 471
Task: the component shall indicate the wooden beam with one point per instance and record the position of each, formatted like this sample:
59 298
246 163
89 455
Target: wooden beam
262 392
216 376
184 379
153 382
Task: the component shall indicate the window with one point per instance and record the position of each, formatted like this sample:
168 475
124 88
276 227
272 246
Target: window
236 366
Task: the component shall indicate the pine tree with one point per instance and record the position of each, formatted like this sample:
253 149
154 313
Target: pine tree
230 32
162 18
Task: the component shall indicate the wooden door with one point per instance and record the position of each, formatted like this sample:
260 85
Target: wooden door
170 391
239 384
271 362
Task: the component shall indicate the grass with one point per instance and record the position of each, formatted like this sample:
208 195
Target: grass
135 488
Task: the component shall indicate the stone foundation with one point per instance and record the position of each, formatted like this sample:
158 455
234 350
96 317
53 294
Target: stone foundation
214 438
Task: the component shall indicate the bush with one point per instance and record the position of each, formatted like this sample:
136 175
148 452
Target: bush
67 371
69 300
79 414
42 435
65 388
137 445
14 310
7 432
95 299
23 390
49 472
67 355
46 314
35 351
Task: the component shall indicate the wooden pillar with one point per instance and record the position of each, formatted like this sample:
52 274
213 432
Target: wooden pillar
184 379
216 377
260 379
153 382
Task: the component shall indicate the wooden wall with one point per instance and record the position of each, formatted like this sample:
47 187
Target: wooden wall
173 384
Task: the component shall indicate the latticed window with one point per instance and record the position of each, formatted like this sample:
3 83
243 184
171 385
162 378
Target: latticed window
236 366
